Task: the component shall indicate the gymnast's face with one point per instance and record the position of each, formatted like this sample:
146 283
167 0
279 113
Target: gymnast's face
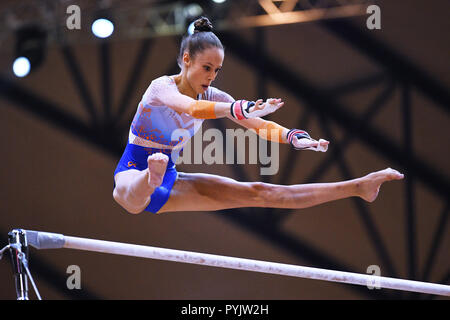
202 69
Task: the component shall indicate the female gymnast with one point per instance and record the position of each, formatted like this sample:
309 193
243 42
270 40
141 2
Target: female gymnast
146 177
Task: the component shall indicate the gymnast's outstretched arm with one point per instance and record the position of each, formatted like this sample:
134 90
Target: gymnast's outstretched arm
272 131
205 109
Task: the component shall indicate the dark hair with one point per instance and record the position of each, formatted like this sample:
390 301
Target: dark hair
202 38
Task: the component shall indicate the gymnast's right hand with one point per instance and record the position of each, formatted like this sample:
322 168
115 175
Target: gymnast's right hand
243 109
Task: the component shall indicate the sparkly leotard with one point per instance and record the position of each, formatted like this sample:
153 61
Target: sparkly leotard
152 129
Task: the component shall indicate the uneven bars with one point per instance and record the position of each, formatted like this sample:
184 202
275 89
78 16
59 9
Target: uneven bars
46 240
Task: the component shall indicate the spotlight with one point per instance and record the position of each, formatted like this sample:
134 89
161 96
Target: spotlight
191 27
21 67
30 49
191 12
102 28
219 1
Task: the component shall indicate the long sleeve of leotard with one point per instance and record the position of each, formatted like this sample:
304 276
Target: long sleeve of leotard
163 91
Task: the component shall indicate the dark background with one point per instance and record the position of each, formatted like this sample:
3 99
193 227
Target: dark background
380 97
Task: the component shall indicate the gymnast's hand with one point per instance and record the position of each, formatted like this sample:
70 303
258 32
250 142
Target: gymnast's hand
261 109
301 140
310 144
243 109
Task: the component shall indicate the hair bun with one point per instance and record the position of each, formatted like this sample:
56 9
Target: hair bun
202 25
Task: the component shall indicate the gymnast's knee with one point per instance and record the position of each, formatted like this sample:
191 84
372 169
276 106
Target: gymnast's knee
119 197
260 191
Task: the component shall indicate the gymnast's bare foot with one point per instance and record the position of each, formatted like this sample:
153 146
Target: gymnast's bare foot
157 164
369 185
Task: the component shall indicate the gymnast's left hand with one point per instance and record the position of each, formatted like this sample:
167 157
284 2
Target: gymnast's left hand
311 144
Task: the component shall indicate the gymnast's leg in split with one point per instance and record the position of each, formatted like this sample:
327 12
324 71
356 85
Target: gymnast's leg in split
207 192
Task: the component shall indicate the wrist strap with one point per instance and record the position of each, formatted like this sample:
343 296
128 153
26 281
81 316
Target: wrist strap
296 133
240 109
